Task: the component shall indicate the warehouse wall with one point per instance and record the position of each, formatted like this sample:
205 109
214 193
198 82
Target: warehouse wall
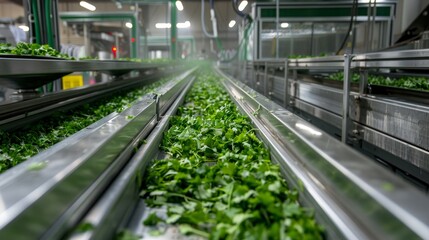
10 10
158 13
407 11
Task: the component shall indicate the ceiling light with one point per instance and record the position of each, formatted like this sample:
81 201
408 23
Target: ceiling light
284 25
179 5
129 25
242 5
231 24
24 28
186 24
87 5
163 25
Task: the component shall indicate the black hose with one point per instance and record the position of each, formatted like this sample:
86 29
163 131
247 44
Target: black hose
352 17
212 4
240 13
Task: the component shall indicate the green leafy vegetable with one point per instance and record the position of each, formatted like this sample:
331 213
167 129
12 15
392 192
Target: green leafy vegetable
32 49
84 227
17 146
218 181
152 220
417 83
127 235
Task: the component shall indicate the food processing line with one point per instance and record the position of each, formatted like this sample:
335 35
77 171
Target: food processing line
387 123
87 186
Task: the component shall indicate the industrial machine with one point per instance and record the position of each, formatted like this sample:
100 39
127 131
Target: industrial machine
72 162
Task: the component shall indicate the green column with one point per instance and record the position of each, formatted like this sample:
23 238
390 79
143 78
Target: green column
134 35
173 29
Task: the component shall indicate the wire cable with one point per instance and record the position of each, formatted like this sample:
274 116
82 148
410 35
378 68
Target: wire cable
234 5
352 19
240 13
203 24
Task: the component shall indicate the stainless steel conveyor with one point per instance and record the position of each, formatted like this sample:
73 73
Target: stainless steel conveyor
391 128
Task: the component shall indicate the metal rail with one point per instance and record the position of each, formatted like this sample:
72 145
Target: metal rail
392 128
353 196
120 201
16 114
30 73
73 176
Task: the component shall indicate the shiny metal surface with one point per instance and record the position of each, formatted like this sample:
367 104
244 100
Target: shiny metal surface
331 62
116 205
346 97
417 159
46 198
13 115
360 199
398 64
405 54
167 94
326 98
406 59
402 118
409 122
326 116
38 72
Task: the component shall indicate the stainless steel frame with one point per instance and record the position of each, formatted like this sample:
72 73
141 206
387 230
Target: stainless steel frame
393 130
354 198
38 72
257 8
51 198
119 203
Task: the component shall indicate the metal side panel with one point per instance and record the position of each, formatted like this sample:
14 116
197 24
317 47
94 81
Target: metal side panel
55 195
409 158
352 195
323 115
41 71
324 97
407 122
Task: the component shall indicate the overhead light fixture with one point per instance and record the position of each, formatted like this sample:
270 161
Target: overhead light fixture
87 5
242 5
179 5
186 24
284 25
231 24
24 28
129 25
163 25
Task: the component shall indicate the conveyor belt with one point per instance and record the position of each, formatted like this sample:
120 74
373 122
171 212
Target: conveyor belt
38 72
353 197
75 174
15 114
389 124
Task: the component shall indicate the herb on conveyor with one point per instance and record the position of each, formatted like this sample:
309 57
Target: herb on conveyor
32 49
298 56
17 146
5 48
152 220
417 83
127 235
218 181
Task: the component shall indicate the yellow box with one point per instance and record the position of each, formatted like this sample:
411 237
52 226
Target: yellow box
72 81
